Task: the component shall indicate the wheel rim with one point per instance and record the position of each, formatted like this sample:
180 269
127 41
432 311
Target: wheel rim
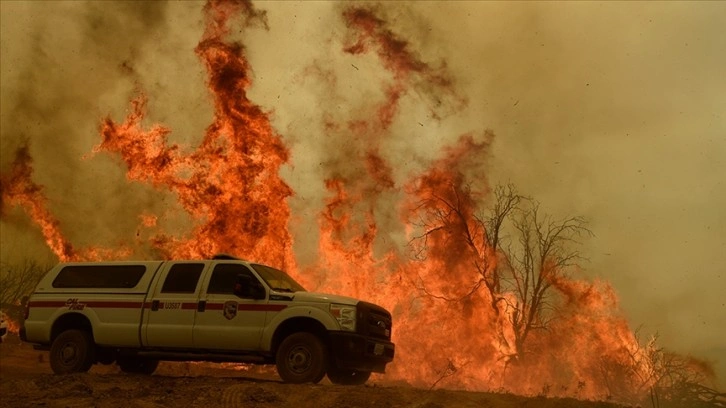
299 359
68 354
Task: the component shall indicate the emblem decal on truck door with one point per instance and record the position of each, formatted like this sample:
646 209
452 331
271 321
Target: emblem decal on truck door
230 309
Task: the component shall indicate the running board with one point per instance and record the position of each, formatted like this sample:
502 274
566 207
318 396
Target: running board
211 357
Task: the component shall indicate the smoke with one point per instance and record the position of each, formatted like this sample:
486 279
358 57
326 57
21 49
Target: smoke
610 111
67 66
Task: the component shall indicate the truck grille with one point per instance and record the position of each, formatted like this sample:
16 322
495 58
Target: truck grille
374 321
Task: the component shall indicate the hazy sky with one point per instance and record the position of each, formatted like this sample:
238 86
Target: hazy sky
614 111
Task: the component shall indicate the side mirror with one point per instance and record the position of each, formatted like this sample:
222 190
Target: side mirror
248 287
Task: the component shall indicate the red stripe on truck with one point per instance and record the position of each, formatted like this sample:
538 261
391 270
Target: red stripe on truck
115 304
243 307
46 303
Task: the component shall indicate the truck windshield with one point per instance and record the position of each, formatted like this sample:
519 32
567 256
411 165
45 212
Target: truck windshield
277 279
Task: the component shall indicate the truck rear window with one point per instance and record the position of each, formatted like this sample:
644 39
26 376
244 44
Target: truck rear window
99 276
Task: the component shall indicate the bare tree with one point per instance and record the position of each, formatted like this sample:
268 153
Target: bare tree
680 381
543 252
19 280
452 213
653 376
506 201
516 252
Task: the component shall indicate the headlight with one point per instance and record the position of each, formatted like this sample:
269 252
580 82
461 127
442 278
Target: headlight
345 315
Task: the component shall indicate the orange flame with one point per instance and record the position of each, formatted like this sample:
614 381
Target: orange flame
18 188
231 182
13 326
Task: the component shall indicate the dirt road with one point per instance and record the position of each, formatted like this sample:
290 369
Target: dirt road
26 381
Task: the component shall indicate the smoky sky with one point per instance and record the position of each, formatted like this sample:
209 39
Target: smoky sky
612 111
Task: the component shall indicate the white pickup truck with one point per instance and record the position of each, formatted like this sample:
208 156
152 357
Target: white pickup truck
225 310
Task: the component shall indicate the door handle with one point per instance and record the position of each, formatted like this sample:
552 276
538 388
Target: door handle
154 305
201 306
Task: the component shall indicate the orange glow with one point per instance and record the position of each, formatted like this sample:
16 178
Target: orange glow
13 326
148 220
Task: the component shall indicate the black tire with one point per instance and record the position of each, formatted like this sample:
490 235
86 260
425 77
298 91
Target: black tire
72 351
137 365
347 377
301 358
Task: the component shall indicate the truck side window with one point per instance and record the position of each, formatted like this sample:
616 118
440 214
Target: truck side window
225 276
99 276
182 278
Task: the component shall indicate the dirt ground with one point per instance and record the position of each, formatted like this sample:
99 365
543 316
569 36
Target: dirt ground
27 381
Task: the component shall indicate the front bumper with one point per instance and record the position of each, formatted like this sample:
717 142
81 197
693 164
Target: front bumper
356 352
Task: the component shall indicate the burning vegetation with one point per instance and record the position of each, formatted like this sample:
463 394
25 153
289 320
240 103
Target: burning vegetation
484 292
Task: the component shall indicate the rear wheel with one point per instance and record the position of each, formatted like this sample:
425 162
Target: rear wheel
347 377
137 365
72 351
301 358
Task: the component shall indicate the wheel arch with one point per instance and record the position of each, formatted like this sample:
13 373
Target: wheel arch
296 325
300 318
70 321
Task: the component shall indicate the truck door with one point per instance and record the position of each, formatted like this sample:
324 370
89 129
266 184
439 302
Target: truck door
224 320
172 305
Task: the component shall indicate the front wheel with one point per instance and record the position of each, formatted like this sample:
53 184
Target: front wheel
72 351
301 358
347 377
137 365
